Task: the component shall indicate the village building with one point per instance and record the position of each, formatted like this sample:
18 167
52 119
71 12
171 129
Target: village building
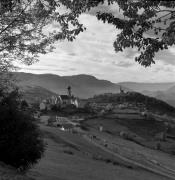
68 99
64 100
60 101
53 100
42 106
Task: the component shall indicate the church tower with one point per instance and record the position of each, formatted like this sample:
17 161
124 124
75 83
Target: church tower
69 91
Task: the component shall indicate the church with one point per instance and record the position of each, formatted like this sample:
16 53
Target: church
60 100
68 99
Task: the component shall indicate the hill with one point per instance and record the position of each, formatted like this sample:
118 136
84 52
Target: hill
167 96
162 91
151 103
83 86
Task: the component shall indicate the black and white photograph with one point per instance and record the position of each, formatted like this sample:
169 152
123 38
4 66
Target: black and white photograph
87 90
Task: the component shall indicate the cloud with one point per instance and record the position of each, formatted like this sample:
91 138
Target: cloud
123 64
130 53
166 56
72 69
43 69
72 54
92 53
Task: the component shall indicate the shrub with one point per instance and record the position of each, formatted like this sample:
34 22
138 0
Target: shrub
24 104
21 144
55 108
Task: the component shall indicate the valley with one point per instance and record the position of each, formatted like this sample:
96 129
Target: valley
36 86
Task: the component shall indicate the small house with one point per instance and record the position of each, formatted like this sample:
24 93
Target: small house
42 106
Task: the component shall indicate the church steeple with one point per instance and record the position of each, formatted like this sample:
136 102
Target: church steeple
69 91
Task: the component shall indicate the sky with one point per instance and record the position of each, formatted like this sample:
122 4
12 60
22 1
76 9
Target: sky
92 53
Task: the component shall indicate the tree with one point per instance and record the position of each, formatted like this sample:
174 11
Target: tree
21 144
148 26
23 29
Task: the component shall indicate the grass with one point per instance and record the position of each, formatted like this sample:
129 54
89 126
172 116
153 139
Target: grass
9 173
144 130
89 163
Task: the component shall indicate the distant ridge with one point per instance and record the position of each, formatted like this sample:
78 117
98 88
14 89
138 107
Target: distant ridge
139 87
83 86
86 86
163 91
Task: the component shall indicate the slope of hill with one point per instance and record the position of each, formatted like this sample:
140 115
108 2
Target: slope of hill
162 91
83 86
171 89
36 93
9 173
167 96
72 156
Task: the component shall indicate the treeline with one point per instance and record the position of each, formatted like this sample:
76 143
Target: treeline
136 99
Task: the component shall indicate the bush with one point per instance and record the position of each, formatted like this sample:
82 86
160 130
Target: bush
21 144
55 108
24 104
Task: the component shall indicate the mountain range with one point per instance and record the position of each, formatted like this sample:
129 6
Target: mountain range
85 86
